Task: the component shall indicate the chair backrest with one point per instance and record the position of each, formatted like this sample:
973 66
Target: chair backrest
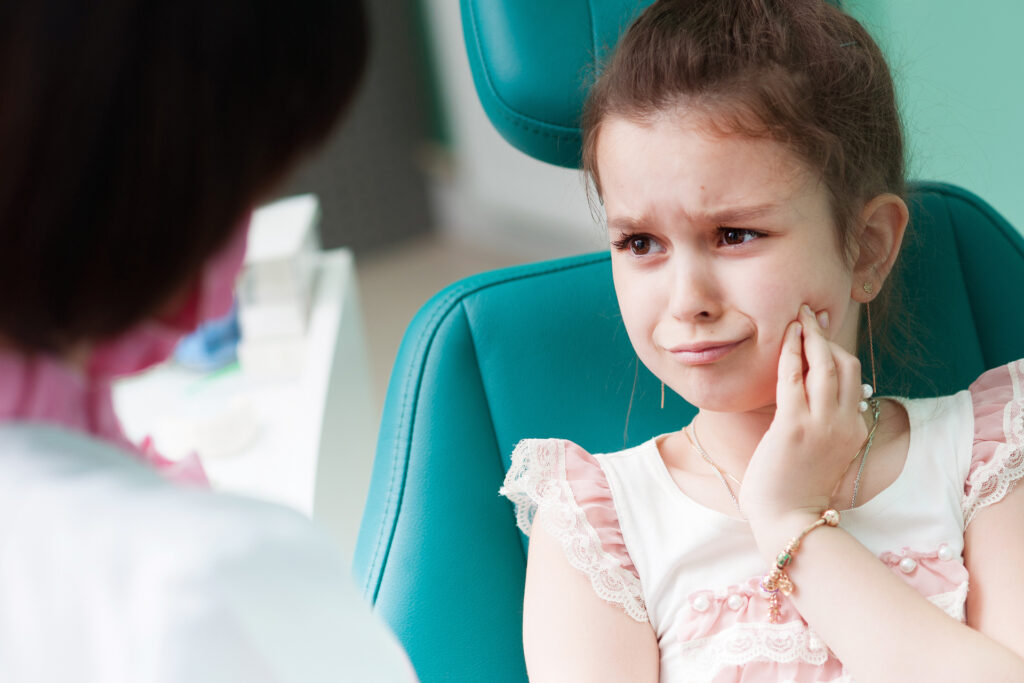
540 350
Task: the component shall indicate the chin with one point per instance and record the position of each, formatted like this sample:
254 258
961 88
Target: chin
728 396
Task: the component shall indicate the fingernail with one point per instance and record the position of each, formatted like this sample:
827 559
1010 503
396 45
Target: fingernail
823 320
807 309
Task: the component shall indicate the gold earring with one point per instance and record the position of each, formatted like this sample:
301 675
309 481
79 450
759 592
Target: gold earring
867 287
663 396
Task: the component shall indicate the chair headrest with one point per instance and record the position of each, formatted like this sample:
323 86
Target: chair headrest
532 61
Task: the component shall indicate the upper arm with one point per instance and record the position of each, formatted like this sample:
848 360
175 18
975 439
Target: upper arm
570 633
994 507
994 556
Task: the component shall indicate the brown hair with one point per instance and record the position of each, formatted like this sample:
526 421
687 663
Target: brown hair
797 71
134 136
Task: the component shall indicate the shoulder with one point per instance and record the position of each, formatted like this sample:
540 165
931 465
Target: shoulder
550 455
986 422
549 474
994 505
98 509
168 572
549 470
997 461
564 486
1000 386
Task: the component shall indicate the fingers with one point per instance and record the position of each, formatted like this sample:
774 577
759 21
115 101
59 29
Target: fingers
833 375
822 373
790 396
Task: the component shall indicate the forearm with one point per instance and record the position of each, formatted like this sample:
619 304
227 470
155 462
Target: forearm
875 623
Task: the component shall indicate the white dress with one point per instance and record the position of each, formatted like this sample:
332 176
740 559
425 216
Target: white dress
110 573
694 573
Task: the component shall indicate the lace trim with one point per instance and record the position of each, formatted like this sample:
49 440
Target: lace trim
743 643
953 602
992 481
536 484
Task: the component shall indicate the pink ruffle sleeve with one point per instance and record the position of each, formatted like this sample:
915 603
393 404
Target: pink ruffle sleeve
997 463
564 486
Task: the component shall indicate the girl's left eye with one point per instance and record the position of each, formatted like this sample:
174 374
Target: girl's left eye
731 237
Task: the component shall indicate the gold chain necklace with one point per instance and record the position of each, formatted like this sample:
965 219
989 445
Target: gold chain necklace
862 453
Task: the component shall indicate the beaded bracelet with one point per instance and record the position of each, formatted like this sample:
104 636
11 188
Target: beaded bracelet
777 580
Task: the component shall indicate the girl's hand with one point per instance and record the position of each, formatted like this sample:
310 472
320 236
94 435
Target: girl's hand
816 432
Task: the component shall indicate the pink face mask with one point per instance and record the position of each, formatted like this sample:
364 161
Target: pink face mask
45 389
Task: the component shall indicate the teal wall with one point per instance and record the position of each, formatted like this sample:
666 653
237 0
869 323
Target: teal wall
959 69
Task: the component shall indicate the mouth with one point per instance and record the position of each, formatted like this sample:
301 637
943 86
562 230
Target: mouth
704 352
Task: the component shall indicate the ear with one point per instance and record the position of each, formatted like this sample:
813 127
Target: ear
883 222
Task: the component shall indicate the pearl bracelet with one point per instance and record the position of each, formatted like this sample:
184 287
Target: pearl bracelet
777 580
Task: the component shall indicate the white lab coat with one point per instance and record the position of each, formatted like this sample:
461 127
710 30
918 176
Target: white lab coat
109 573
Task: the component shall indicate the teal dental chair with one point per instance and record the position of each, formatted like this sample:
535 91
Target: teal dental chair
540 350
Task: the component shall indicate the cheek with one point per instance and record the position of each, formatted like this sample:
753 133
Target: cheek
777 304
639 304
769 295
776 299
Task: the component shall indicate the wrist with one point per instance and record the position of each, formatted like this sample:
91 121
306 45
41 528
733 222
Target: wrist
772 532
777 580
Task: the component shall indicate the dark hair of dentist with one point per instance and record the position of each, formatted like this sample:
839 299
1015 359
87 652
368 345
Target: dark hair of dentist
135 135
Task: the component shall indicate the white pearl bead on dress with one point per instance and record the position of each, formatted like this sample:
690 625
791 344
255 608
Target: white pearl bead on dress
908 564
735 602
701 603
945 553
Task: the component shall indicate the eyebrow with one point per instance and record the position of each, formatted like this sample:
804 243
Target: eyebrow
724 217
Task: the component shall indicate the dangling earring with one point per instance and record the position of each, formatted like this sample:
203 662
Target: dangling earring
871 349
663 396
869 389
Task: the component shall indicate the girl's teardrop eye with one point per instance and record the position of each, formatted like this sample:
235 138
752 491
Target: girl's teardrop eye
639 246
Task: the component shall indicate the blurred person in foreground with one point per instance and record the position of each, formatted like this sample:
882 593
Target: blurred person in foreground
135 140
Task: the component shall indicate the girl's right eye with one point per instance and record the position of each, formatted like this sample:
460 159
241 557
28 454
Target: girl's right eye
637 245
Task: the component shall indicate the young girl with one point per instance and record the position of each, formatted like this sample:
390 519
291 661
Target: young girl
749 158
135 138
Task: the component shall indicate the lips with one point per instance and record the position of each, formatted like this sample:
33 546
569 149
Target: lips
704 352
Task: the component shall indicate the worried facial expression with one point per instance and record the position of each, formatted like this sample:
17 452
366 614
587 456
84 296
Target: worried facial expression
716 242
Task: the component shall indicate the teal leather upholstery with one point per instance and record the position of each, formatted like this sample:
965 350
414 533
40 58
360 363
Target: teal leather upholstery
540 350
532 61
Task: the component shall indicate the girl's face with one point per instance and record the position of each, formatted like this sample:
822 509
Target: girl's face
716 242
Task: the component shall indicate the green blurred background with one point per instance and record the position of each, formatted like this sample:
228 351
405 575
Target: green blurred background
959 70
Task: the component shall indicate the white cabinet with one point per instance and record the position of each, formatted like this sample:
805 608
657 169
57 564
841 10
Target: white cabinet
304 439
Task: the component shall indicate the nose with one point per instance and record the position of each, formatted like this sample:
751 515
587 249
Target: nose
695 293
